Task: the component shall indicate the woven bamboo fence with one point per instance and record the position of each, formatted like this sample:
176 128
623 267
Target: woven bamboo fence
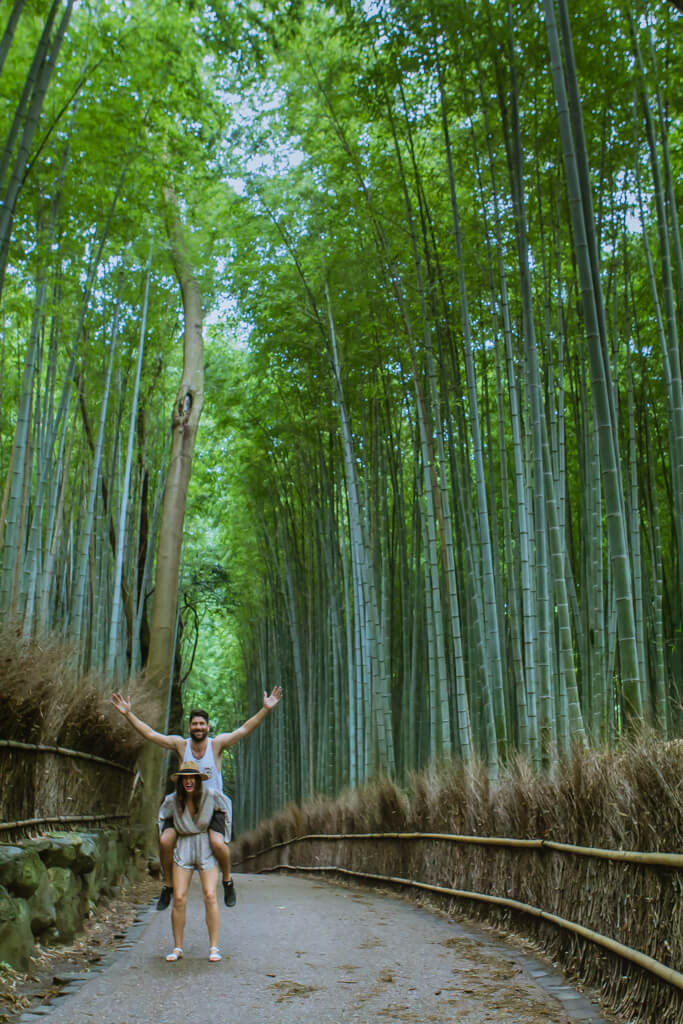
44 786
588 864
554 891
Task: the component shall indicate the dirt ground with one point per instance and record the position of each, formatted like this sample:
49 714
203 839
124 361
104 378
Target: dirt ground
53 965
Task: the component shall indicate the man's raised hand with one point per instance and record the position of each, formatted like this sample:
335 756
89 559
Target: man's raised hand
269 702
121 703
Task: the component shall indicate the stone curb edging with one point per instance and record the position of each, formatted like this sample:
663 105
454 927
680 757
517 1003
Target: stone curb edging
72 983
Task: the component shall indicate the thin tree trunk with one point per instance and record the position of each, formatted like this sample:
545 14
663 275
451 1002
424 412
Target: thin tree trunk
184 424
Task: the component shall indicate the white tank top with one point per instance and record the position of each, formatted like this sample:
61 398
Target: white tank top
207 763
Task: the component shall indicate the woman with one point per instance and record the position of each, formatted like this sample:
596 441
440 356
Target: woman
191 806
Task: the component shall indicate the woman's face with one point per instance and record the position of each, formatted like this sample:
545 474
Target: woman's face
189 783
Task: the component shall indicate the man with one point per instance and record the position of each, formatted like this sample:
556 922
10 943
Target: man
208 754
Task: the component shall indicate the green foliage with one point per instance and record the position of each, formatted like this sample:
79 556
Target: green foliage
306 144
134 105
325 155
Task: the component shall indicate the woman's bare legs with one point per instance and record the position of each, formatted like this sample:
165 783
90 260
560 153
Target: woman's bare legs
181 883
209 880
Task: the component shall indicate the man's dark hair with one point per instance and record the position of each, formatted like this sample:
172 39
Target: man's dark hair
198 713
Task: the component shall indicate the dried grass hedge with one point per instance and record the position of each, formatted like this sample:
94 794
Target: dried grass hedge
44 702
629 799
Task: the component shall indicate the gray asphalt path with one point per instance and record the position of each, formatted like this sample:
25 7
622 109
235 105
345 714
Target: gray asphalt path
299 950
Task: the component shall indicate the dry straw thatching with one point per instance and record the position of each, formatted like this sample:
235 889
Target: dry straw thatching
43 702
628 799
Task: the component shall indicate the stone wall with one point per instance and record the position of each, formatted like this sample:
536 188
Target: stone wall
50 885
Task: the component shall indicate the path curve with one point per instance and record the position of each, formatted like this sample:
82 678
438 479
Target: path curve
298 950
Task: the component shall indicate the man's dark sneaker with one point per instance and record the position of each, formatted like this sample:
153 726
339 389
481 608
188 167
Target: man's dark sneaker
229 894
164 897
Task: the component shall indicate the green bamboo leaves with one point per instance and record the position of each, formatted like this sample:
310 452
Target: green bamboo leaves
499 382
447 475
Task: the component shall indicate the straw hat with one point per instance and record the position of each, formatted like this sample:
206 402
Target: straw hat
190 768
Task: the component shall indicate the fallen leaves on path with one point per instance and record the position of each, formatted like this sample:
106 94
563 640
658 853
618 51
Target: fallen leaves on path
292 990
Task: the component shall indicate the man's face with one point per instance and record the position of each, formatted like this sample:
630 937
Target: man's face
199 728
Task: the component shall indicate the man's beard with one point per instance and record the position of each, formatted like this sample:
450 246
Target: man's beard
198 734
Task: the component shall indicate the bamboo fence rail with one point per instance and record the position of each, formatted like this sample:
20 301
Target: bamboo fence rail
64 752
668 860
49 785
665 860
74 819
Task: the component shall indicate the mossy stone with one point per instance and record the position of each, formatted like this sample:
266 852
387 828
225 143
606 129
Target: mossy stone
35 845
95 843
20 870
113 858
86 854
134 837
61 851
70 902
16 938
42 906
75 850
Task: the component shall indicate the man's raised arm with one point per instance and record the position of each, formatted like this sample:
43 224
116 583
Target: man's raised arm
123 705
229 739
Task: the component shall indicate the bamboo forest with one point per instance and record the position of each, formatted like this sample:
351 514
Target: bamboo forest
340 351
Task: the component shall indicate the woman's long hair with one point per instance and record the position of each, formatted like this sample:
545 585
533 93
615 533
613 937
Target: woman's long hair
181 795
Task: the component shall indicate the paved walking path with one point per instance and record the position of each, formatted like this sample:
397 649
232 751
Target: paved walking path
298 951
